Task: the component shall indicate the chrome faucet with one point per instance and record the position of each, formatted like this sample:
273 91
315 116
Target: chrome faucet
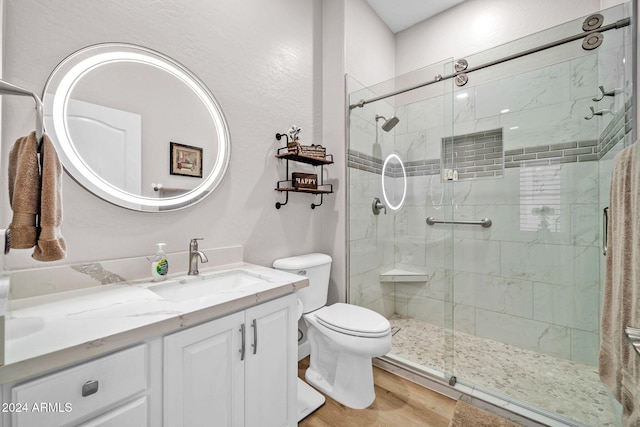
194 253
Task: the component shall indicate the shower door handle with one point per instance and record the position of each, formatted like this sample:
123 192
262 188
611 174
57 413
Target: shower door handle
605 224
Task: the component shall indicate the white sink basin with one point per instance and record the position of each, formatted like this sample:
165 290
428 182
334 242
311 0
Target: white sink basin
21 327
203 286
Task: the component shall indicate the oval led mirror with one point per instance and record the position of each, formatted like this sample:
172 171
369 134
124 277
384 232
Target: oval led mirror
394 182
135 127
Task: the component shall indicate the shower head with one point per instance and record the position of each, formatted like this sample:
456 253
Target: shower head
388 124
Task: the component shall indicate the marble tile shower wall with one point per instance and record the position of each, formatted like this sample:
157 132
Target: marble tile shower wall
371 238
536 289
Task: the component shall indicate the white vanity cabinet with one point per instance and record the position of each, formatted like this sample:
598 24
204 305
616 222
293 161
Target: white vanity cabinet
113 390
239 370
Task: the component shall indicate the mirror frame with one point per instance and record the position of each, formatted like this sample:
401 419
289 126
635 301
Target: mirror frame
63 79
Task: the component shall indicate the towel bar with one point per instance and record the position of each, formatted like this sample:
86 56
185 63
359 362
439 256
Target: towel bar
10 89
485 222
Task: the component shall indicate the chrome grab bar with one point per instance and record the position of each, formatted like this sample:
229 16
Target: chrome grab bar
605 224
485 222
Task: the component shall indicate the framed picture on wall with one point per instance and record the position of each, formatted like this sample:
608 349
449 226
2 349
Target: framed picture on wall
185 160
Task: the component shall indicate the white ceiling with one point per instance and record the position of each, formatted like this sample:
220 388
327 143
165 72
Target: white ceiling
401 14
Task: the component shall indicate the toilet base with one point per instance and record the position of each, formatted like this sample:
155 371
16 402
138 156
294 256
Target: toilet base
352 384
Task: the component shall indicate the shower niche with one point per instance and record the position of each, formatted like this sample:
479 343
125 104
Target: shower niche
288 185
472 156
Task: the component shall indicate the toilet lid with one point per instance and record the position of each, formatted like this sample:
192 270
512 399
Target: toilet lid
353 320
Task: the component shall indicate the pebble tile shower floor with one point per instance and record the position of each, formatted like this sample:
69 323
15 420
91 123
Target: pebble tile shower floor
572 390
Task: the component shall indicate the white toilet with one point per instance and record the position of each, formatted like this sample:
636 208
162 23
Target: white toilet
343 338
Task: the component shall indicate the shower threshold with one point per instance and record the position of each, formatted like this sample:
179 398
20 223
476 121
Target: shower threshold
566 389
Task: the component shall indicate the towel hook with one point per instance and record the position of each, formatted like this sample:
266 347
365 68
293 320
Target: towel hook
596 113
603 93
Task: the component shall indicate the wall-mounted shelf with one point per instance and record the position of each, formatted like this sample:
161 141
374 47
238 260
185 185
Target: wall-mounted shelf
315 161
305 190
287 186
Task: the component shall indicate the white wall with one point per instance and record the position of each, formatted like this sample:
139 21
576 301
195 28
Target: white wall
370 45
333 126
356 42
261 61
477 25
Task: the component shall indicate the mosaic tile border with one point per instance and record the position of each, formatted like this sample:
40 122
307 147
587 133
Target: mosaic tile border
365 162
565 152
358 160
616 130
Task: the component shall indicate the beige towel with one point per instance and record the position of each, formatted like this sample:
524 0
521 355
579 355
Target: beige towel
51 245
619 364
24 181
36 200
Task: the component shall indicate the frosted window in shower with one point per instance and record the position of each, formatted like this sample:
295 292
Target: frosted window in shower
540 198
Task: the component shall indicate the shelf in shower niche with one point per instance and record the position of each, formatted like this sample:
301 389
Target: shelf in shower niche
397 275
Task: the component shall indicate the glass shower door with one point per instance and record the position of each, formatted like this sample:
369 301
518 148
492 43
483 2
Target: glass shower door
527 289
400 266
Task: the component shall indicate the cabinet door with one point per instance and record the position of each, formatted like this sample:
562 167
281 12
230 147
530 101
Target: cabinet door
133 414
271 364
204 376
64 397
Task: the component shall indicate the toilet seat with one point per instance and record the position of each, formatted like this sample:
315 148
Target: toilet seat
353 320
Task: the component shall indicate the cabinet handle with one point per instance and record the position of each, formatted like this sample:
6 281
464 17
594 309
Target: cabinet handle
254 325
242 339
89 388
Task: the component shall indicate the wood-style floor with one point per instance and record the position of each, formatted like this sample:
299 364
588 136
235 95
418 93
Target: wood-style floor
399 403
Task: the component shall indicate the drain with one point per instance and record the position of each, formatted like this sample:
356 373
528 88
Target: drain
395 330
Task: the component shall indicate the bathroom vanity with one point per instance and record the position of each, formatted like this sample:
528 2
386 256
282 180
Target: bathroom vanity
218 348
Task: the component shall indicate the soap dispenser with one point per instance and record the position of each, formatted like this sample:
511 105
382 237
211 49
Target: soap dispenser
159 265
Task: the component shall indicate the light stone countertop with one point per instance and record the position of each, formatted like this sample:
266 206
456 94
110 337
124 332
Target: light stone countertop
51 331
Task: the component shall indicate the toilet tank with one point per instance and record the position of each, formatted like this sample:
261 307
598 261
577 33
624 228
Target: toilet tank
316 268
